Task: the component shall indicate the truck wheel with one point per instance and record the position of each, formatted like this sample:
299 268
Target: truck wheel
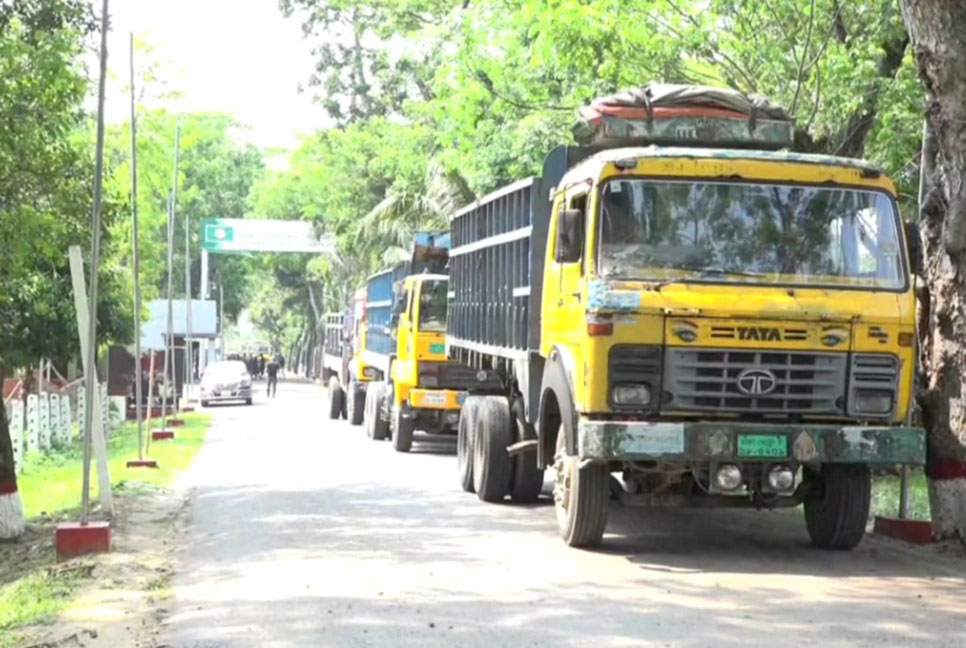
464 441
527 481
380 426
579 496
492 468
356 403
336 398
837 505
402 430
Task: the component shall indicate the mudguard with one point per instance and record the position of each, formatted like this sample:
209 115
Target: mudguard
558 380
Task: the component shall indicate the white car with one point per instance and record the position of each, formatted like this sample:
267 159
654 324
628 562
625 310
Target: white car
226 380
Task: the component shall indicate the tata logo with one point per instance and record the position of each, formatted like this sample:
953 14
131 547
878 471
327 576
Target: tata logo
762 333
757 382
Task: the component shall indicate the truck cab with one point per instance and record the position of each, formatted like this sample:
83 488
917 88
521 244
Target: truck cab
734 327
418 388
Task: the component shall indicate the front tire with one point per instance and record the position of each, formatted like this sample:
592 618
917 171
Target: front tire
402 430
492 468
837 506
464 442
579 497
248 401
356 403
336 398
205 403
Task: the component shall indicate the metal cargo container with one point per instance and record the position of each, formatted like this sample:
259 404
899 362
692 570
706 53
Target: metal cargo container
379 304
496 266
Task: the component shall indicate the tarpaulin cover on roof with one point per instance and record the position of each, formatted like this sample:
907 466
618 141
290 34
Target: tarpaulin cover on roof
663 113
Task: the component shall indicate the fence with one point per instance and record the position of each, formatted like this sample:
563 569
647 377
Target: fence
51 419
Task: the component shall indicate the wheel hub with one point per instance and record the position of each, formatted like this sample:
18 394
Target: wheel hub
561 484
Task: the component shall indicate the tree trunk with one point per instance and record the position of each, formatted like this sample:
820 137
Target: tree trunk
938 34
11 508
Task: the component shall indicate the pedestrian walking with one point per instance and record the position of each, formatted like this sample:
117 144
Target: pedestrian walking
271 373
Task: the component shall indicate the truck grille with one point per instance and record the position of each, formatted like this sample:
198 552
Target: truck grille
451 375
724 380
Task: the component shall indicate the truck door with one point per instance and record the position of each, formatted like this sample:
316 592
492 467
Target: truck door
564 310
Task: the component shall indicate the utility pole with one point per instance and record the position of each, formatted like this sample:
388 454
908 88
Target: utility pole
221 316
174 217
187 298
138 396
170 321
91 374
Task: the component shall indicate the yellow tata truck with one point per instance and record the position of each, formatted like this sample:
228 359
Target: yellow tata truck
414 386
680 315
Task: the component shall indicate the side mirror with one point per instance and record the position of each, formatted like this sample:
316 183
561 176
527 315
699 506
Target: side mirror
914 243
570 236
399 305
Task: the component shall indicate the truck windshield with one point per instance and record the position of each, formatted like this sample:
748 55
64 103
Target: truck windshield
432 306
693 231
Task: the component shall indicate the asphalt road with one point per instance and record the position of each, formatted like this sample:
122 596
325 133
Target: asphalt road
303 532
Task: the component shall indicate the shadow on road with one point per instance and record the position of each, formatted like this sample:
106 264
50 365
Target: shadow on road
303 532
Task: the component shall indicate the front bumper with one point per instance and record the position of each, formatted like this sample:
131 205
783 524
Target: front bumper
719 441
439 399
240 393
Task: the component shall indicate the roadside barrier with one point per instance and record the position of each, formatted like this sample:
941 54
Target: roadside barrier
43 422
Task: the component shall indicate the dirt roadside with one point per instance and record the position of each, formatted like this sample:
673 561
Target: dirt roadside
123 595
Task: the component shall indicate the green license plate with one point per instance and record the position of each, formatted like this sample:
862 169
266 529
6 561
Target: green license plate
762 445
437 348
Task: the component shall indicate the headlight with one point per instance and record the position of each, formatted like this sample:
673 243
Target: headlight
639 394
872 402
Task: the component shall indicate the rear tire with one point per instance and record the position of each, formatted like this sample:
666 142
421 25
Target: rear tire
837 508
527 481
464 442
402 430
205 403
336 398
492 468
580 497
356 403
248 401
380 426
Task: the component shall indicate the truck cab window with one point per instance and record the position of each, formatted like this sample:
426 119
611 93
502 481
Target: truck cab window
432 306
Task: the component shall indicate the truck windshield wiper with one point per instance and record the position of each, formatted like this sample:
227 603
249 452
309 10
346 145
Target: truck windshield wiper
712 271
705 271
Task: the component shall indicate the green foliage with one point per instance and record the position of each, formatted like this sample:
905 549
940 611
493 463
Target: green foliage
498 83
216 174
45 194
482 91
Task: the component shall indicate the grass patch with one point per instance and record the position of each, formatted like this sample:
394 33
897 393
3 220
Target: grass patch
37 598
50 484
885 495
50 488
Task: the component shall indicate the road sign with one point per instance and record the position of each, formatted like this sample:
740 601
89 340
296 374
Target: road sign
250 235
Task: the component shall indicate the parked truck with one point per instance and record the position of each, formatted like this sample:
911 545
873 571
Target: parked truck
415 387
680 314
335 363
360 374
